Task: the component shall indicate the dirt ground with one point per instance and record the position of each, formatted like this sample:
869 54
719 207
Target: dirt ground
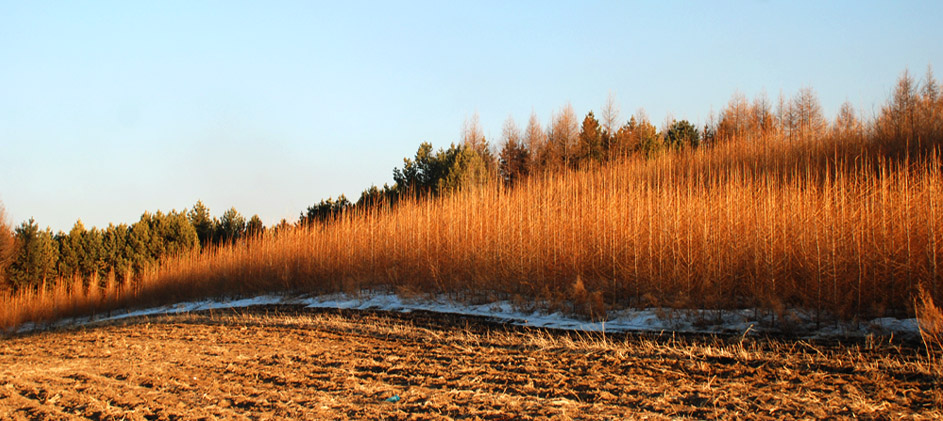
291 363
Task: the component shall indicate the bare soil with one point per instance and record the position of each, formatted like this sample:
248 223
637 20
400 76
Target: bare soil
292 363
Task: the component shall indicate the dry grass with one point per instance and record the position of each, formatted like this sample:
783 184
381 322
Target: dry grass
930 320
295 364
831 227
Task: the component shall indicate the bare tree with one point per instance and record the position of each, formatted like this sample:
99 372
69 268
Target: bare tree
7 245
610 115
473 138
762 115
509 132
534 135
535 139
565 132
931 109
808 114
784 116
846 122
735 119
472 134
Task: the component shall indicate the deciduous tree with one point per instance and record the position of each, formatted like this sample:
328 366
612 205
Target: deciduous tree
846 122
473 138
7 245
609 117
564 134
542 152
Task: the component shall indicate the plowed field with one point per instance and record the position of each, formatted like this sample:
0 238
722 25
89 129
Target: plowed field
292 363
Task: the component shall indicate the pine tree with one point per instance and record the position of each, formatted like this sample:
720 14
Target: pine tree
202 222
255 227
232 225
72 254
93 261
36 258
513 161
646 136
139 243
682 134
474 139
177 234
590 144
114 250
466 169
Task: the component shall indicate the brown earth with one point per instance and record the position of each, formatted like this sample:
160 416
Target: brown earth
290 363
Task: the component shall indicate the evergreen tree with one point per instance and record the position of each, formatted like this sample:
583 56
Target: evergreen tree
114 250
466 169
139 244
93 261
255 227
590 143
35 261
232 225
375 196
473 138
513 160
176 234
682 134
624 141
72 251
325 210
420 176
202 222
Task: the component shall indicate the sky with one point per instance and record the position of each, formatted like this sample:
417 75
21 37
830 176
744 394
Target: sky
110 109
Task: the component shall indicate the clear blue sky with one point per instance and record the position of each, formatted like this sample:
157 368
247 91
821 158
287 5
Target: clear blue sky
108 109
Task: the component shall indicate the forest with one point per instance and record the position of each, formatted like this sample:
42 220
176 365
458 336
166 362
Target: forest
769 204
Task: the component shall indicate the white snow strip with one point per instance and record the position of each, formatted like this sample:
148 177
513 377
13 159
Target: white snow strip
641 320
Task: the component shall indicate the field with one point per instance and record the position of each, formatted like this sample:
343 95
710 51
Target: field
291 363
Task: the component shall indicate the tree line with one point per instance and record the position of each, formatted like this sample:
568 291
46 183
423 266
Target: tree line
910 121
31 256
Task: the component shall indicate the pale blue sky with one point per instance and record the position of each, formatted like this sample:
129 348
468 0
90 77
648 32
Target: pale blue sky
108 109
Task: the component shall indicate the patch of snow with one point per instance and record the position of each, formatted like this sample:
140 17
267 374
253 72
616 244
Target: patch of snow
629 320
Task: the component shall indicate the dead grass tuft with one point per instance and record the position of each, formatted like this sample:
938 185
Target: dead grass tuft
930 321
